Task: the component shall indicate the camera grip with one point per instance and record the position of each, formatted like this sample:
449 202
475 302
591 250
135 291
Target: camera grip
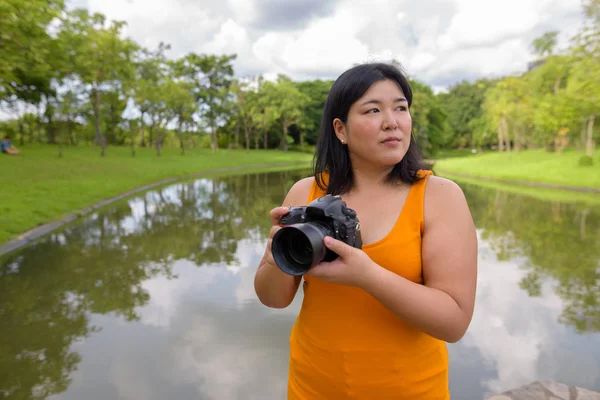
294 216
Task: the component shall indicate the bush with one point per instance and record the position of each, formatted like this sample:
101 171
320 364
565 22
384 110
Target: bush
205 142
586 161
303 149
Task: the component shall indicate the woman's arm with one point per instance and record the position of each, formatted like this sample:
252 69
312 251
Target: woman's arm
273 287
443 306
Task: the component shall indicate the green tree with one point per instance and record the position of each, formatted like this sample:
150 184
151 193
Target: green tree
430 125
99 56
544 45
462 104
211 78
316 92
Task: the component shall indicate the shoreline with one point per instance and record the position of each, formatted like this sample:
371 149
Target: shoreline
34 234
581 189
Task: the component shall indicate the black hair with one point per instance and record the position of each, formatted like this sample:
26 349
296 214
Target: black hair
331 156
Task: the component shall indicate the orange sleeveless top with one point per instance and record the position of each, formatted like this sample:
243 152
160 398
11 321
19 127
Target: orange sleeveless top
347 345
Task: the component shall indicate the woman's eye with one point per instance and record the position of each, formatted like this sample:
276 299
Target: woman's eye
372 110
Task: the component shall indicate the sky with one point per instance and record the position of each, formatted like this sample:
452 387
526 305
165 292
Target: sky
439 42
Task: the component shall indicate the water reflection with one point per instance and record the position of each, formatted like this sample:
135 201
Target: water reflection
154 297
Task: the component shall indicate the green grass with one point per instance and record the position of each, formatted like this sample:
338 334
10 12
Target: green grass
553 195
534 166
451 153
39 187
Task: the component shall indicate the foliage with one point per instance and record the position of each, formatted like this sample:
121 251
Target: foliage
67 78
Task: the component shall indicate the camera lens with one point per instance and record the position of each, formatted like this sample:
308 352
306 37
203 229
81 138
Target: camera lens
297 248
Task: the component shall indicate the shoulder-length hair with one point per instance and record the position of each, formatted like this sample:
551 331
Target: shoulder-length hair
331 157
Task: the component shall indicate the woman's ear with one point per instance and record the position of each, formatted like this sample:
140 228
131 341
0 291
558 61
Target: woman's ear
340 130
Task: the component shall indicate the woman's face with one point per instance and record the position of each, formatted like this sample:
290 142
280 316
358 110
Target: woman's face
378 127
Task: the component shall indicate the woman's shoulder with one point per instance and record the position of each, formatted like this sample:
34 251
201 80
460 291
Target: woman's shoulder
438 186
300 192
443 196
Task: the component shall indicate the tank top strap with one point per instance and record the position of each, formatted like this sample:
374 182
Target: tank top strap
414 205
316 191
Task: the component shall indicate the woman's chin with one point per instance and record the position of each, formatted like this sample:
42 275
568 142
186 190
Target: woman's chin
392 160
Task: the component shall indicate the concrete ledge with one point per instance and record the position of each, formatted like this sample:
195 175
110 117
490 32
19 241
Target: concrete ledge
32 235
547 390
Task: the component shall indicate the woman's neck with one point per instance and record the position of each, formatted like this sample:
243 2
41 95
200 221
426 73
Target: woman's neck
369 177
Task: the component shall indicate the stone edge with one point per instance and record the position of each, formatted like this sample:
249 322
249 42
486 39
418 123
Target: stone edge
34 234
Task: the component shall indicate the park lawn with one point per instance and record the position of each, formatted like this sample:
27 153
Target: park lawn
38 187
545 194
534 166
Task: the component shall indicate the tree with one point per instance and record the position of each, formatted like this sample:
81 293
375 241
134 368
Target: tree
211 77
463 104
545 44
25 42
100 58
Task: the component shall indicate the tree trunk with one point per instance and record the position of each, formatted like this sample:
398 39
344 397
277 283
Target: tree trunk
143 142
265 136
99 136
213 134
505 134
180 131
556 85
157 143
50 127
38 128
283 143
581 144
500 137
113 123
589 145
96 95
517 146
237 136
247 136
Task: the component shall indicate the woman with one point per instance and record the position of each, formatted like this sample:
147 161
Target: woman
374 323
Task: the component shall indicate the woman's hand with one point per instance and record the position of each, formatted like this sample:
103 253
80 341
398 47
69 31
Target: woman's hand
275 214
351 268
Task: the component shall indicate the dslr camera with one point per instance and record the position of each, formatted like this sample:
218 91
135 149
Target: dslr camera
298 245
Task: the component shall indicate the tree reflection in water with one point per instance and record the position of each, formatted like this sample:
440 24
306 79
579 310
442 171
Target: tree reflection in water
49 290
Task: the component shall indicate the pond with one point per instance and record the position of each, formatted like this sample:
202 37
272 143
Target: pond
153 298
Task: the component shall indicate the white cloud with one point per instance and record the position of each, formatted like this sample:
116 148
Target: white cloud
510 337
437 42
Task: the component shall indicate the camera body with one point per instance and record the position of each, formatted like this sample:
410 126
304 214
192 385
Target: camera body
299 246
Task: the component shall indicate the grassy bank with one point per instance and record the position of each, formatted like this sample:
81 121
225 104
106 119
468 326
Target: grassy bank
553 195
39 187
535 166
